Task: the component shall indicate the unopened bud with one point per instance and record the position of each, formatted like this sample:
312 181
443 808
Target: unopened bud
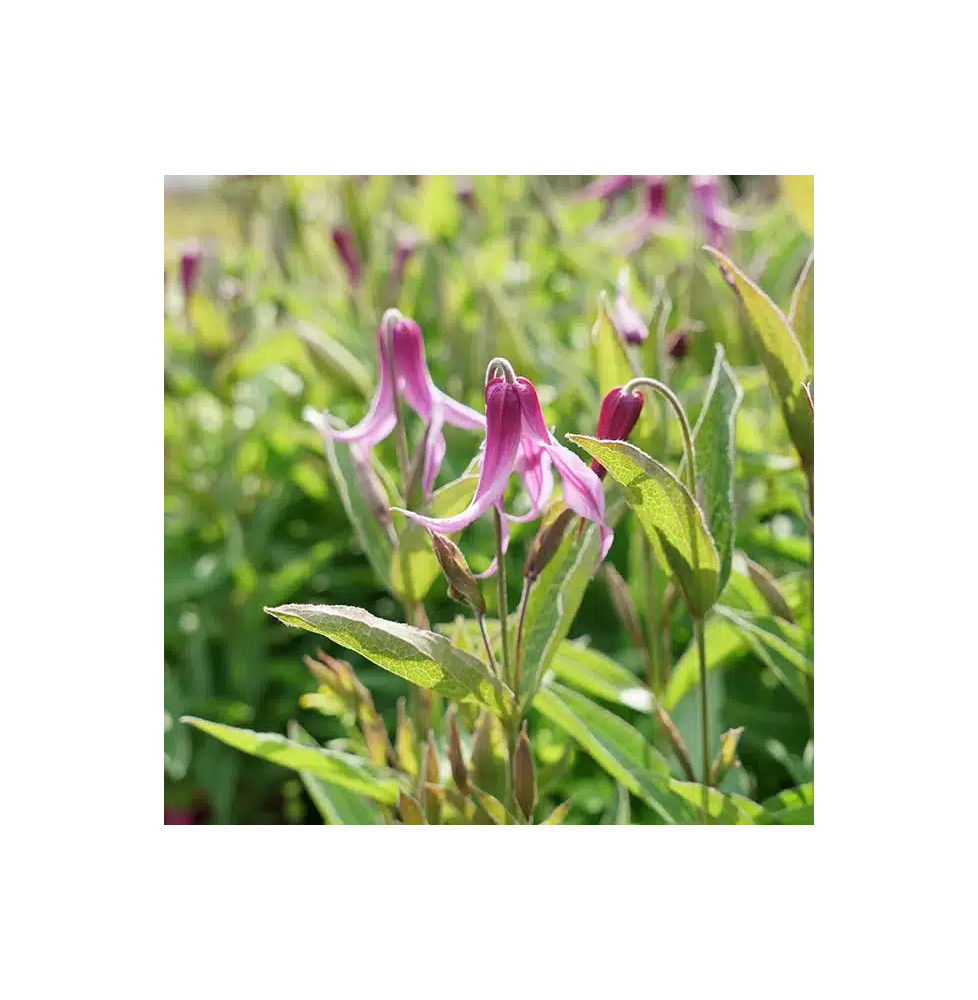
462 584
524 776
375 736
677 344
726 757
191 258
346 247
372 489
548 538
619 413
460 773
432 770
621 598
404 742
770 590
410 810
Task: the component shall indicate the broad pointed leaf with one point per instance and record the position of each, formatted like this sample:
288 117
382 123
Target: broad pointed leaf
801 314
423 658
672 519
337 805
346 770
782 356
618 747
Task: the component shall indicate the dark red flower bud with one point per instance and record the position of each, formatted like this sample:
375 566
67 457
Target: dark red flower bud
619 414
346 247
677 344
191 258
655 197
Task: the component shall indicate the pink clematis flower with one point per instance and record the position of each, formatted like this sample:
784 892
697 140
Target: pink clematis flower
400 345
517 440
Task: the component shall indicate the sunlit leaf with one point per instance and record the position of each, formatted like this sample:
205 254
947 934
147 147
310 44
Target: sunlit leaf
782 356
801 314
618 747
671 518
595 674
726 809
423 658
343 769
558 815
795 806
336 804
799 189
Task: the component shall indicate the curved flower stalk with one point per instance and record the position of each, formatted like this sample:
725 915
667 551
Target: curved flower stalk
404 370
517 439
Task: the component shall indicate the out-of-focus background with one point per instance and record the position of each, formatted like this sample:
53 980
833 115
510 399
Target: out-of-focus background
273 290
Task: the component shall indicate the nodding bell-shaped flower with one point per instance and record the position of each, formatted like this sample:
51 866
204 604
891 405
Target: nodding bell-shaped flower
404 370
620 411
346 247
624 316
517 439
717 219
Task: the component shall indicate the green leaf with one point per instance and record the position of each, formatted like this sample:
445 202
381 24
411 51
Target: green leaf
713 437
423 658
611 363
559 814
334 360
618 747
372 535
799 189
729 809
335 804
595 674
795 806
672 519
554 601
801 313
782 357
414 546
346 770
724 645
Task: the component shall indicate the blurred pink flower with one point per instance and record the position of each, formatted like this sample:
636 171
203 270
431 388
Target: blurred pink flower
346 247
717 220
607 188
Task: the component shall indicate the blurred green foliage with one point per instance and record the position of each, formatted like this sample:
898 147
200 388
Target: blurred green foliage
509 266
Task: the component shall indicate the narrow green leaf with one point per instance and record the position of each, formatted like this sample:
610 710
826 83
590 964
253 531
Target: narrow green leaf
336 804
414 545
729 809
423 658
618 747
713 437
559 814
799 189
795 806
671 518
782 357
611 363
595 674
372 535
554 600
724 645
346 770
801 313
334 360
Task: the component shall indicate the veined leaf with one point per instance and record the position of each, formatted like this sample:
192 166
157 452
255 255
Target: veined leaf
801 313
795 806
618 747
671 518
782 357
611 363
372 535
729 809
799 189
336 804
598 675
423 658
713 437
346 770
554 600
414 547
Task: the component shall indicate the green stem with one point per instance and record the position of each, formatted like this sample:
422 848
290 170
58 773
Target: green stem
524 600
673 400
654 622
704 715
501 584
481 619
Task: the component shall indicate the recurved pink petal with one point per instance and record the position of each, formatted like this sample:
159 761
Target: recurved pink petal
380 418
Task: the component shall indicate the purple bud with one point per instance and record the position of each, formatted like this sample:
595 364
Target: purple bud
677 344
407 241
346 247
655 197
619 414
191 257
